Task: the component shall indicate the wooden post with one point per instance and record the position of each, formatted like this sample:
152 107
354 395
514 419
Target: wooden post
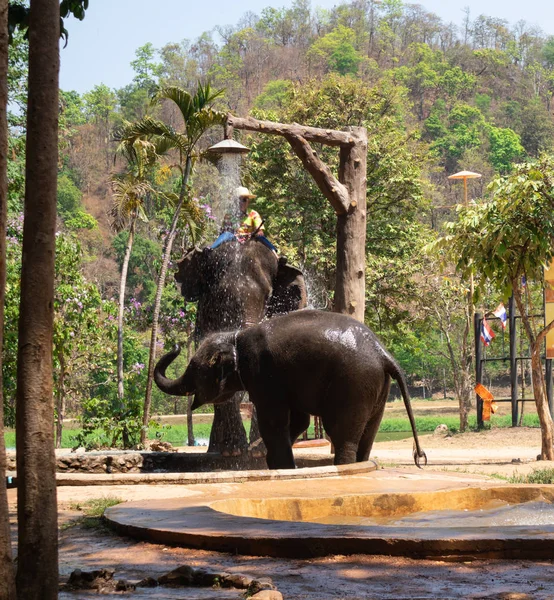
347 195
351 229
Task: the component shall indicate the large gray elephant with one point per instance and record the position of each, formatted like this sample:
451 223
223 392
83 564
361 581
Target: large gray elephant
305 363
237 285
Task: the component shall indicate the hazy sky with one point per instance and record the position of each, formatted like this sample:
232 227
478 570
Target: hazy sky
102 46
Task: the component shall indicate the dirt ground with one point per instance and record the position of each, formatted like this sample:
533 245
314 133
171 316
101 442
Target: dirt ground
333 577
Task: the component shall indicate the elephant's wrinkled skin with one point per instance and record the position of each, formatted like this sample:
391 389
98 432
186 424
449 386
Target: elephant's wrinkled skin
305 363
237 285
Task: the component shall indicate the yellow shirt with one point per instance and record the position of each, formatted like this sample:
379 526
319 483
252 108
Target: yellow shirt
251 223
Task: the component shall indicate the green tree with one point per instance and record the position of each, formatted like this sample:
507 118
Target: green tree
129 191
84 336
508 237
198 116
337 52
302 222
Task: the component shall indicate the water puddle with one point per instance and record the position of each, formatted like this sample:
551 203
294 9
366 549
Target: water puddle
500 514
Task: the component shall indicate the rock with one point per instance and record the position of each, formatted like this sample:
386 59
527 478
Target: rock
101 580
183 575
442 431
267 595
259 585
237 580
160 446
148 582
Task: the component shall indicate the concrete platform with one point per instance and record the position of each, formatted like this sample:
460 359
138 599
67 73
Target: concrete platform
226 517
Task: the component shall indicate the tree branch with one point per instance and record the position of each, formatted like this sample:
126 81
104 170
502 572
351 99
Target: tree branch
331 188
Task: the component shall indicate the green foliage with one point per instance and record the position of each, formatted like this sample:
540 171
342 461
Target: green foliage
302 222
511 234
143 264
505 148
537 477
336 50
81 220
276 94
103 426
69 198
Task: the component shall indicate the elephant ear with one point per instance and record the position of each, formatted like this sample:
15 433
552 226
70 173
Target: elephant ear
289 291
224 360
190 275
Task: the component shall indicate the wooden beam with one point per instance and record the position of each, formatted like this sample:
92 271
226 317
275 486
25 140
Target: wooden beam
351 230
330 187
329 137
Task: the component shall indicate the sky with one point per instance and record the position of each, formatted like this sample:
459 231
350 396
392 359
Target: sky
101 48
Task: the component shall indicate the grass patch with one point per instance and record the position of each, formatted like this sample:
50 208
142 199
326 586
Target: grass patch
540 476
176 434
93 511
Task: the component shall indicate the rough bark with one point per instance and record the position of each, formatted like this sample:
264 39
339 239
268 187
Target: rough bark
155 317
122 285
351 228
37 569
537 376
329 137
333 190
7 573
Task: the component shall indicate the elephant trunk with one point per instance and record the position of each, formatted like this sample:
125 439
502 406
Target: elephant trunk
175 387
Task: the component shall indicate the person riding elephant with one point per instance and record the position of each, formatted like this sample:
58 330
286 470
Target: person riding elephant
252 224
237 285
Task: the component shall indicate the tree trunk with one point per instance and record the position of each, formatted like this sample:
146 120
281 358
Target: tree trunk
60 402
155 317
122 285
7 573
190 423
537 377
351 229
37 568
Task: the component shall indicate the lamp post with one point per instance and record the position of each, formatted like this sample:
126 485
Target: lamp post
465 175
471 321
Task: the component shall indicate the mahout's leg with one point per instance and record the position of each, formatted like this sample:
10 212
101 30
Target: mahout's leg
299 422
372 426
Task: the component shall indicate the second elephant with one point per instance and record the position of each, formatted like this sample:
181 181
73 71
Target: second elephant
305 363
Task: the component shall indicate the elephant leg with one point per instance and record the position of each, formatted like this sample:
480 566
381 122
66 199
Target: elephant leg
228 436
299 422
368 437
372 426
345 428
276 435
257 445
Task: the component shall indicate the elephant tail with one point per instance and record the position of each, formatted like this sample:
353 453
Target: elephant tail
396 373
174 387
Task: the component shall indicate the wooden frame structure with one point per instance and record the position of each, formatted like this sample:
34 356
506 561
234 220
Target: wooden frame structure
347 195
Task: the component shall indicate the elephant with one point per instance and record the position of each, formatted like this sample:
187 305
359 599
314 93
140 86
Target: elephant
307 362
237 285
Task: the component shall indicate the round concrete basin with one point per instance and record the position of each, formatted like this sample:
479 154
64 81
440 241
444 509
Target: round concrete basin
295 518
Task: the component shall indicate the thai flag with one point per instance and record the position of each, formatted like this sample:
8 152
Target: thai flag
487 334
500 312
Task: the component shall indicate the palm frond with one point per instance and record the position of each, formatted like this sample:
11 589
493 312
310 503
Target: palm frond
128 194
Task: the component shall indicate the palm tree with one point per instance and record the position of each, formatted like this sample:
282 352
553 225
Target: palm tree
36 469
129 191
198 116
